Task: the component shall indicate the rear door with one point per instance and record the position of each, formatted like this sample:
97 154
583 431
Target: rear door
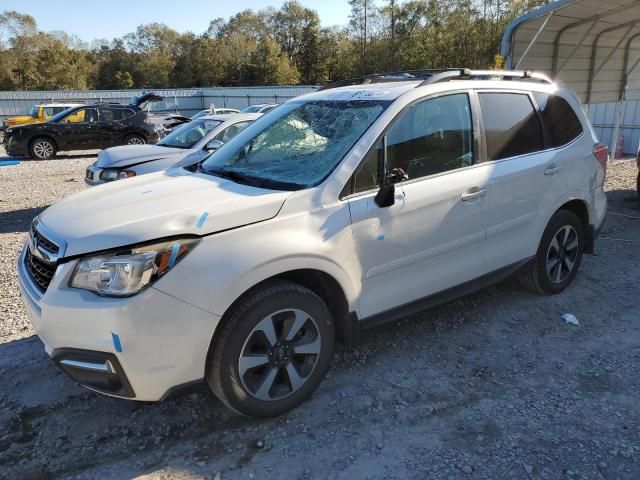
432 238
112 127
527 179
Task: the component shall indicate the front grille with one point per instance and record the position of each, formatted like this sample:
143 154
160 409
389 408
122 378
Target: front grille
46 244
40 272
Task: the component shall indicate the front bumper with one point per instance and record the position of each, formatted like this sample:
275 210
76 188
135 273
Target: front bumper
162 342
92 176
15 147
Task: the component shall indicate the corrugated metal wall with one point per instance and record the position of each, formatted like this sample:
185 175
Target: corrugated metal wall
186 101
602 116
191 100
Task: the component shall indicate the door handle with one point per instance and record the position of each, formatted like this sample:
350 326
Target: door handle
552 170
473 195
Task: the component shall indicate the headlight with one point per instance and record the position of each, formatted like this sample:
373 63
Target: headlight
125 273
110 174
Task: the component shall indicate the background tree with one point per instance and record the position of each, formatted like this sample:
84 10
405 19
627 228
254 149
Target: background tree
265 47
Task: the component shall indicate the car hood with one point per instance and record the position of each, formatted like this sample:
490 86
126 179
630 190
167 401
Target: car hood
155 206
127 155
21 119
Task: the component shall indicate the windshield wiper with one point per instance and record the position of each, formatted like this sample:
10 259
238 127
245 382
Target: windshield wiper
240 177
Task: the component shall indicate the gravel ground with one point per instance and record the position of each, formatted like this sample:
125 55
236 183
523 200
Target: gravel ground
493 386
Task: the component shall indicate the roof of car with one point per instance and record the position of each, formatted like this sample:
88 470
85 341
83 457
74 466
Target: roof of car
389 91
223 117
68 105
373 91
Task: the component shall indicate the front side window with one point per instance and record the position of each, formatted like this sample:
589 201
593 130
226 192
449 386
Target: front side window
511 125
83 115
366 176
560 120
187 135
299 146
433 136
231 131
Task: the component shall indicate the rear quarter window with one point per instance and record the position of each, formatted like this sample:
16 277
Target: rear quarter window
561 122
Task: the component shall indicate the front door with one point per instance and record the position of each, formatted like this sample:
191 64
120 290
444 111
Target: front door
79 130
432 238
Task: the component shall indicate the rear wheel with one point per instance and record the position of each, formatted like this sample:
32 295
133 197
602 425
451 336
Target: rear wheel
42 148
273 351
559 255
134 140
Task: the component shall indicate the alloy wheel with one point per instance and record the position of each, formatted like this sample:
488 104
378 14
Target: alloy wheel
562 254
135 141
43 149
279 354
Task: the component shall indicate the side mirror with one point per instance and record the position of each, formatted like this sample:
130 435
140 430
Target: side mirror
213 145
386 196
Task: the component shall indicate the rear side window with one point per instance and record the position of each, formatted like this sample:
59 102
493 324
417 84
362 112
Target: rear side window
109 115
511 125
560 120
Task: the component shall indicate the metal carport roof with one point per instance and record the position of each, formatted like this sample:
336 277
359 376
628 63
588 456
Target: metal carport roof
591 46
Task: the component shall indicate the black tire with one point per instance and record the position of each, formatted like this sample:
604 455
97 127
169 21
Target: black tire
42 148
538 278
638 182
272 301
134 139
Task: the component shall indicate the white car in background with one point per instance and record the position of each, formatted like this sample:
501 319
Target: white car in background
215 111
260 108
191 142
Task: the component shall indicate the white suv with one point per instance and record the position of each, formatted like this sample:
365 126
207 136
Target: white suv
341 209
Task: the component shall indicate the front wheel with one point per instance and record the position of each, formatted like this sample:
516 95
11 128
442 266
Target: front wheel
42 148
559 255
273 351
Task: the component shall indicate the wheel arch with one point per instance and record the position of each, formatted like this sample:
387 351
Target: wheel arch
323 284
580 209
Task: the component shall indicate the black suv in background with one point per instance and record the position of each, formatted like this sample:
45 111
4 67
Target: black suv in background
101 125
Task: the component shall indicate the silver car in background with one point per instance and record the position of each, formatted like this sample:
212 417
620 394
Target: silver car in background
188 144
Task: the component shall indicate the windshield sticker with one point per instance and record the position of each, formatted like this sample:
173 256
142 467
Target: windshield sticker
360 94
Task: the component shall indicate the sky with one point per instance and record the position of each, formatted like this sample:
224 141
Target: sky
90 19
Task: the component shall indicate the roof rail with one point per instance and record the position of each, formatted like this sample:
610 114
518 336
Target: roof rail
431 76
466 74
399 76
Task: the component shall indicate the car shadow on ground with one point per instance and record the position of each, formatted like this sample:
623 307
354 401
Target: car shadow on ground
18 221
59 156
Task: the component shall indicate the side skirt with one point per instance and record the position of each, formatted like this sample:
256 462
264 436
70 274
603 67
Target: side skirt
444 296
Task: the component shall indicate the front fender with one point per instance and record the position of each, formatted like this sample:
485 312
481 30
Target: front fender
227 264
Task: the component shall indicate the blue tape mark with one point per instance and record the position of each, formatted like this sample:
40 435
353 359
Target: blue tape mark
380 237
174 254
116 342
6 163
202 219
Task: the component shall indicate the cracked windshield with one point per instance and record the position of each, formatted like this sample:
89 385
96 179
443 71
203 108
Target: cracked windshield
298 149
